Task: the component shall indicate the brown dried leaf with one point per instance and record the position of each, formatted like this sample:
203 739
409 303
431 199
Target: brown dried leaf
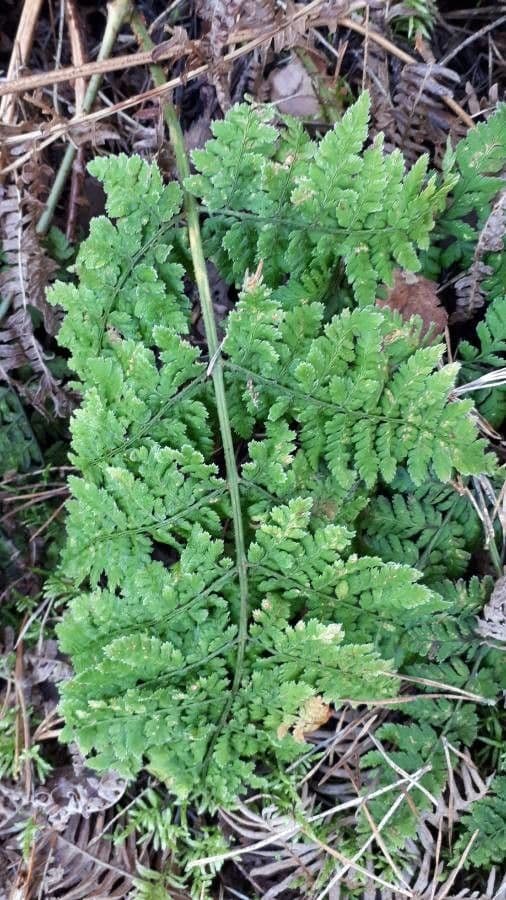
291 88
415 295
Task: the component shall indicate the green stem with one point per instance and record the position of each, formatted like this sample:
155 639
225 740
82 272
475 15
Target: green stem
206 303
117 12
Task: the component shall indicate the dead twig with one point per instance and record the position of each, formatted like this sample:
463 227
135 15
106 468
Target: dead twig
78 166
117 12
77 48
49 134
20 53
472 37
22 721
79 72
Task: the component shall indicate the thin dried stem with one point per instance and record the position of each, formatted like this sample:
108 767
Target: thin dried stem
117 11
20 53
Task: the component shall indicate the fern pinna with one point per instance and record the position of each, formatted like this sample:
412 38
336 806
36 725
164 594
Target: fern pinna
322 409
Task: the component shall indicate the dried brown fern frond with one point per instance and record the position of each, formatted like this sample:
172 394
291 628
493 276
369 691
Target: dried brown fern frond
27 267
25 274
70 853
73 864
424 874
222 18
278 852
337 772
469 289
421 118
277 856
379 86
19 347
281 24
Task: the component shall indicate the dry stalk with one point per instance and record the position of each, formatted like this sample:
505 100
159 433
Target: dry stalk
117 12
20 53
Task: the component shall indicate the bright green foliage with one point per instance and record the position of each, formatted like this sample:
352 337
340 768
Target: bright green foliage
478 160
152 820
364 398
320 413
432 528
128 279
414 17
491 333
304 208
488 817
454 661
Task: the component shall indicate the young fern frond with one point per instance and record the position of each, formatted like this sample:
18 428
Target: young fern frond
299 207
478 160
487 817
155 622
489 355
363 397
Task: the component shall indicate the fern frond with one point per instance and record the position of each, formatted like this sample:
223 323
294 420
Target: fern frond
488 818
364 402
18 445
276 197
156 616
432 528
128 281
153 639
478 160
489 355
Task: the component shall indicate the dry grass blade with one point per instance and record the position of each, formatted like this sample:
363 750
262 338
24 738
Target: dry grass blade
292 829
353 861
288 858
19 57
171 50
497 378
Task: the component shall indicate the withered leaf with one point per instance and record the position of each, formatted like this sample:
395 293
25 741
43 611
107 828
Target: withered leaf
415 295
